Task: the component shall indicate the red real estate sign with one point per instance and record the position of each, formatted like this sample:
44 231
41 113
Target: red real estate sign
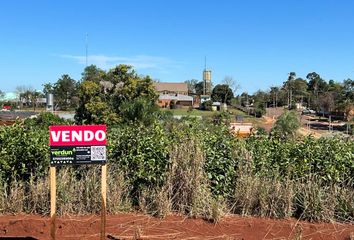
83 144
89 135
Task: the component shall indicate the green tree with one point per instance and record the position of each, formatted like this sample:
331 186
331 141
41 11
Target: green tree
127 85
260 100
199 88
299 90
93 73
48 88
92 107
245 99
65 92
274 95
316 85
139 110
288 86
102 93
346 102
222 93
334 86
207 105
286 125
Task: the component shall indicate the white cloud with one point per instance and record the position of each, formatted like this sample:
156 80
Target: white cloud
139 62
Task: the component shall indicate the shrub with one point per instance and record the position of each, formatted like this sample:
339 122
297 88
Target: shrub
331 159
259 109
45 119
220 164
190 166
23 151
286 125
207 105
223 117
141 153
139 110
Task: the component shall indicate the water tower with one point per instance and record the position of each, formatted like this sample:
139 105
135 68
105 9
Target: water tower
207 82
50 102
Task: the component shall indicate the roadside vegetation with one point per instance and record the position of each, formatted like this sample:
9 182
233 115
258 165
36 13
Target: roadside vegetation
160 165
187 166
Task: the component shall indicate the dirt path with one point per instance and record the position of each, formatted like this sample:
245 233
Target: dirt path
135 226
267 123
306 132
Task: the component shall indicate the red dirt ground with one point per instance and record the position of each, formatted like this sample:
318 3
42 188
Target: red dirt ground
135 226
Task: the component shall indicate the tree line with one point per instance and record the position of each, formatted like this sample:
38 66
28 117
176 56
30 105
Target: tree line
100 94
312 92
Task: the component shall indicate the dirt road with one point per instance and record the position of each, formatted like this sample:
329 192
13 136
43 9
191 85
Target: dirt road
136 226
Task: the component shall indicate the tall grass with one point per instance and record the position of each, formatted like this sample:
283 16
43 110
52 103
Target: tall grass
78 192
308 199
186 191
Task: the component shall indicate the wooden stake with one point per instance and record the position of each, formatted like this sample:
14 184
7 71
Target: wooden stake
104 200
52 201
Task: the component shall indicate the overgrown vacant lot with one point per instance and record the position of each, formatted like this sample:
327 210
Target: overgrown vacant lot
188 167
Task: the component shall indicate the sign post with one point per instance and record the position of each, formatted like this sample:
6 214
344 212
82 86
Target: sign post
77 145
52 201
104 200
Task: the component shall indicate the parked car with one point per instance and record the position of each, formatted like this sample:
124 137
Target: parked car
308 112
6 108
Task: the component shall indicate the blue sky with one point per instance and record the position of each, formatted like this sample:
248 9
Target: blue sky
256 42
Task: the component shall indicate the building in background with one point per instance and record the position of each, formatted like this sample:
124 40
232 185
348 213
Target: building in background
175 101
171 88
173 95
10 97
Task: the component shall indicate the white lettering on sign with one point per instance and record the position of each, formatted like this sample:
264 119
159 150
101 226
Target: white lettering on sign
88 136
100 135
65 136
81 135
55 136
77 136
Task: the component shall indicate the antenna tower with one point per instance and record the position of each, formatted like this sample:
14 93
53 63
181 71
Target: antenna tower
86 43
